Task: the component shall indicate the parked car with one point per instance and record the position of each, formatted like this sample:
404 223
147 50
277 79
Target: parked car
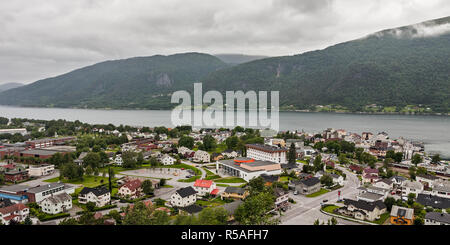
325 200
296 192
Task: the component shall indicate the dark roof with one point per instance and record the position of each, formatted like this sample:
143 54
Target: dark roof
269 178
187 191
289 166
192 209
440 217
5 202
428 176
267 148
311 181
364 205
97 191
279 192
433 201
237 190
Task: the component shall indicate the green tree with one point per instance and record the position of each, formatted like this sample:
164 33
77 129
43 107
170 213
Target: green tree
292 155
416 159
254 211
186 141
436 159
147 187
326 180
90 206
232 142
139 214
209 143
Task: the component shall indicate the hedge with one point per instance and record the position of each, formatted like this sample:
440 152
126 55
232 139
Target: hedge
99 208
45 217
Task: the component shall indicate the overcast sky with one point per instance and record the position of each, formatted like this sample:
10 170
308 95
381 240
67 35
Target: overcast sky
40 39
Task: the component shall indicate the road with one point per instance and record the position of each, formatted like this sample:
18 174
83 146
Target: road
307 210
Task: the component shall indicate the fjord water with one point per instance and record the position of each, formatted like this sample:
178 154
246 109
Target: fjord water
434 131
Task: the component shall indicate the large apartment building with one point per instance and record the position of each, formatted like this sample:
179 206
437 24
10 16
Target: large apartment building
267 153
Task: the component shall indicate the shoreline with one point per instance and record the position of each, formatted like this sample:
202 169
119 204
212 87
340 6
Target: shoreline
297 111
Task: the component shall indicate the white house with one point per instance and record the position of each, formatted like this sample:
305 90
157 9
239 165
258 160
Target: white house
441 190
131 189
41 170
99 196
385 184
118 160
202 156
167 160
183 150
337 179
56 204
17 212
411 187
230 154
184 197
203 187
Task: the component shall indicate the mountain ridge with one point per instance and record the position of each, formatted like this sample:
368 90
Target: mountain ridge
400 67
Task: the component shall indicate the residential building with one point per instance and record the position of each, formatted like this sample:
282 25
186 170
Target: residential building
203 187
427 180
56 204
236 193
167 160
307 186
411 187
441 189
16 175
202 157
435 218
266 153
230 154
131 189
281 198
362 210
385 184
184 197
402 215
435 202
337 179
41 170
100 196
17 212
247 168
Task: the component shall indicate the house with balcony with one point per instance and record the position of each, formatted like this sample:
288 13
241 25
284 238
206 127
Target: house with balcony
60 203
100 196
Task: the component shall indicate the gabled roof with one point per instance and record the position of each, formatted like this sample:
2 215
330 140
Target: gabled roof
96 191
397 211
428 176
133 184
364 205
193 209
187 191
310 182
12 208
203 183
60 198
236 190
440 217
433 201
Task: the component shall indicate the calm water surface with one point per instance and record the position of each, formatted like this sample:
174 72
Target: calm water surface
434 131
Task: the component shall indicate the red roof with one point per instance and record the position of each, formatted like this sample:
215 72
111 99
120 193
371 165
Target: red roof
371 171
10 217
12 208
10 166
355 167
203 183
133 184
98 215
369 176
215 192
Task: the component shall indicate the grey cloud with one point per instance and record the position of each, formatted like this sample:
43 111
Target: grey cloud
46 38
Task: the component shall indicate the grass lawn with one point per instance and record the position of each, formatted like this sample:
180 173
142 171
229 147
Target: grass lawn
330 209
222 185
316 194
230 180
382 219
87 181
211 203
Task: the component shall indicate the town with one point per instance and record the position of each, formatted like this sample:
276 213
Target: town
72 173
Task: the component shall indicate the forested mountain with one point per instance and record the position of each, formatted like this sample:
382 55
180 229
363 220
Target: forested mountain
7 86
395 68
236 59
141 82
